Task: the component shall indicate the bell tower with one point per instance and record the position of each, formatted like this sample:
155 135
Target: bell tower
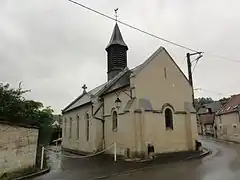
116 53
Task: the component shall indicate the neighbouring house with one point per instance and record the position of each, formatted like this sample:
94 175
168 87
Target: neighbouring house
57 128
147 108
227 120
206 116
18 147
57 121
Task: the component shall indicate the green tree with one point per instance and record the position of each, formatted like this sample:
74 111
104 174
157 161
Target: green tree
201 101
45 119
16 109
224 100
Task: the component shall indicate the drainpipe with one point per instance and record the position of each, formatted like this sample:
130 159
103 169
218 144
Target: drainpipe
102 120
238 113
92 109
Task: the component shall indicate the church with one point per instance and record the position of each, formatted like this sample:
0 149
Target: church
147 106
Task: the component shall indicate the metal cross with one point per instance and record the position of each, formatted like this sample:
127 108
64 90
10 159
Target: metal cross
84 88
116 16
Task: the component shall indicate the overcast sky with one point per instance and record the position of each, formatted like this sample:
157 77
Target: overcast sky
54 46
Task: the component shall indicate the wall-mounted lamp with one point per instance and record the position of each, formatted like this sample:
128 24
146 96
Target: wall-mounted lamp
118 103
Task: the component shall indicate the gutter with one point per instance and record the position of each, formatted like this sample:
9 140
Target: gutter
94 114
103 126
228 112
87 103
102 120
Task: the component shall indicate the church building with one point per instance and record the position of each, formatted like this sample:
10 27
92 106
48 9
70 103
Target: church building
147 106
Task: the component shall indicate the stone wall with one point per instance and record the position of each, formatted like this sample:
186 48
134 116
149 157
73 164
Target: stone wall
18 147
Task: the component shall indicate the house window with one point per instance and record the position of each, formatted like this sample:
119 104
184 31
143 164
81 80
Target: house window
70 127
165 73
87 127
114 121
210 110
168 118
78 133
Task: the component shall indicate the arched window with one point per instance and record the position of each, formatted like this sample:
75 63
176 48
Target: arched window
87 127
168 118
114 121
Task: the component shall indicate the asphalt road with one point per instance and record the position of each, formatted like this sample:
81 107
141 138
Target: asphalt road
222 164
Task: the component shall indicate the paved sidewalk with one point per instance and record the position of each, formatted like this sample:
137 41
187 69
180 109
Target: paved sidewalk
100 166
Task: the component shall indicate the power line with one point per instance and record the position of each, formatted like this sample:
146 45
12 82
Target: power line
133 27
160 38
150 34
197 60
210 91
194 67
183 60
222 57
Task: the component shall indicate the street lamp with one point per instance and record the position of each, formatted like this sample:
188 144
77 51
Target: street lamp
118 103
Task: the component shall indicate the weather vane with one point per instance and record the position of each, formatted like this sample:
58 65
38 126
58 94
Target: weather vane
116 15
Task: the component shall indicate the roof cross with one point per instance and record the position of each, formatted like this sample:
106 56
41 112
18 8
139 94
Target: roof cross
84 88
116 15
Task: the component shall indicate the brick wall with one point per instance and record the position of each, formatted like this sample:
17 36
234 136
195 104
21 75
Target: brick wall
18 146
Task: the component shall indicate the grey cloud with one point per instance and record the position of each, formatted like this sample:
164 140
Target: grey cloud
54 46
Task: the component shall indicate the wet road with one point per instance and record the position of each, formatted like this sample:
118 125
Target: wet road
222 164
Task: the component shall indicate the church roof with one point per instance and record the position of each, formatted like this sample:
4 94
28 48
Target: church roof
116 38
116 79
84 98
88 97
102 89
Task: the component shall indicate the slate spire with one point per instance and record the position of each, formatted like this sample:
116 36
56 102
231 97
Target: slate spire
116 53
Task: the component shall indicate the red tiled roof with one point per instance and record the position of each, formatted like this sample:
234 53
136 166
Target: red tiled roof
232 105
206 118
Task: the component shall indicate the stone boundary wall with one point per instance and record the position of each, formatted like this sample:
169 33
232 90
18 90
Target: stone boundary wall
18 147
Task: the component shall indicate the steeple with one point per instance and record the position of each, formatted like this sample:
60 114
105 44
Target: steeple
117 53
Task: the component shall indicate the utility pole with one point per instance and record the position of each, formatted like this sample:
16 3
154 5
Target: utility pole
189 64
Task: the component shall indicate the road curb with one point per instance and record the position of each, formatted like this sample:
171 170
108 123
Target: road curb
122 173
226 141
205 152
39 173
220 140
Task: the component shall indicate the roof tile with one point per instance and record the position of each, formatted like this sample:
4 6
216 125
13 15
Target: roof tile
232 105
